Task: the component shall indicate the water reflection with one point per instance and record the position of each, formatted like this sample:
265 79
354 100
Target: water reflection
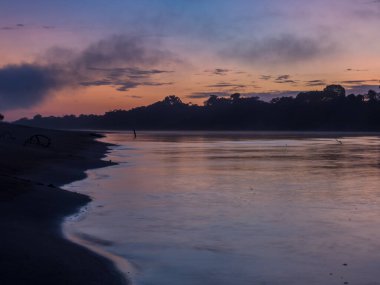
240 208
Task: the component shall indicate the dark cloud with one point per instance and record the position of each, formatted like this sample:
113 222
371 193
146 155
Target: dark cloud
21 26
265 96
357 70
285 48
287 81
218 71
266 77
13 27
108 58
354 82
97 83
130 72
201 95
116 56
284 79
134 96
122 85
361 88
221 71
156 83
120 62
359 82
125 86
224 71
316 82
226 85
25 85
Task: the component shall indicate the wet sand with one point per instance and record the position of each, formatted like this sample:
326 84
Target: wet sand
32 207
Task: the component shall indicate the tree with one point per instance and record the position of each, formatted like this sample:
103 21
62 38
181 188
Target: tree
329 110
211 101
372 95
172 100
1 117
334 91
310 97
235 97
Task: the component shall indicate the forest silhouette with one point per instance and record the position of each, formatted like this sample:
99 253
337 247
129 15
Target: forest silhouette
327 110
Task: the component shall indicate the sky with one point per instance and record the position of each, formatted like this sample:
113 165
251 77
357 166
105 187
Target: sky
92 56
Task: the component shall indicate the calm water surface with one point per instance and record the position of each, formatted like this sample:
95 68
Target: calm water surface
237 208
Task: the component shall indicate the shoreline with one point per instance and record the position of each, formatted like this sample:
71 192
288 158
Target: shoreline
121 264
33 247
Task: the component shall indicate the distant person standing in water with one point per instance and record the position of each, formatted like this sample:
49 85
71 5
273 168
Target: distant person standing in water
134 133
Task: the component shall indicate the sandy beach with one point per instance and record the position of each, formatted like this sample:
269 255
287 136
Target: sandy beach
32 207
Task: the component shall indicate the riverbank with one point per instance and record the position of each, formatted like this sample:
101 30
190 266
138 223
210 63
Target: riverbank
32 207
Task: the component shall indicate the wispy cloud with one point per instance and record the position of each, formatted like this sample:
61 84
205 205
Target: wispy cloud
134 96
265 96
356 70
359 82
226 85
124 79
316 82
201 95
285 48
47 27
12 27
362 88
220 71
284 79
130 72
125 86
266 77
20 27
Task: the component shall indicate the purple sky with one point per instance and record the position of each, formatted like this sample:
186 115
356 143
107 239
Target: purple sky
93 55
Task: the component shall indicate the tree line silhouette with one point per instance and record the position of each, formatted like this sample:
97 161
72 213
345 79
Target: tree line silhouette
326 110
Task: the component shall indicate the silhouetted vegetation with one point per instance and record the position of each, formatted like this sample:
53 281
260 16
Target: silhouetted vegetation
330 109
